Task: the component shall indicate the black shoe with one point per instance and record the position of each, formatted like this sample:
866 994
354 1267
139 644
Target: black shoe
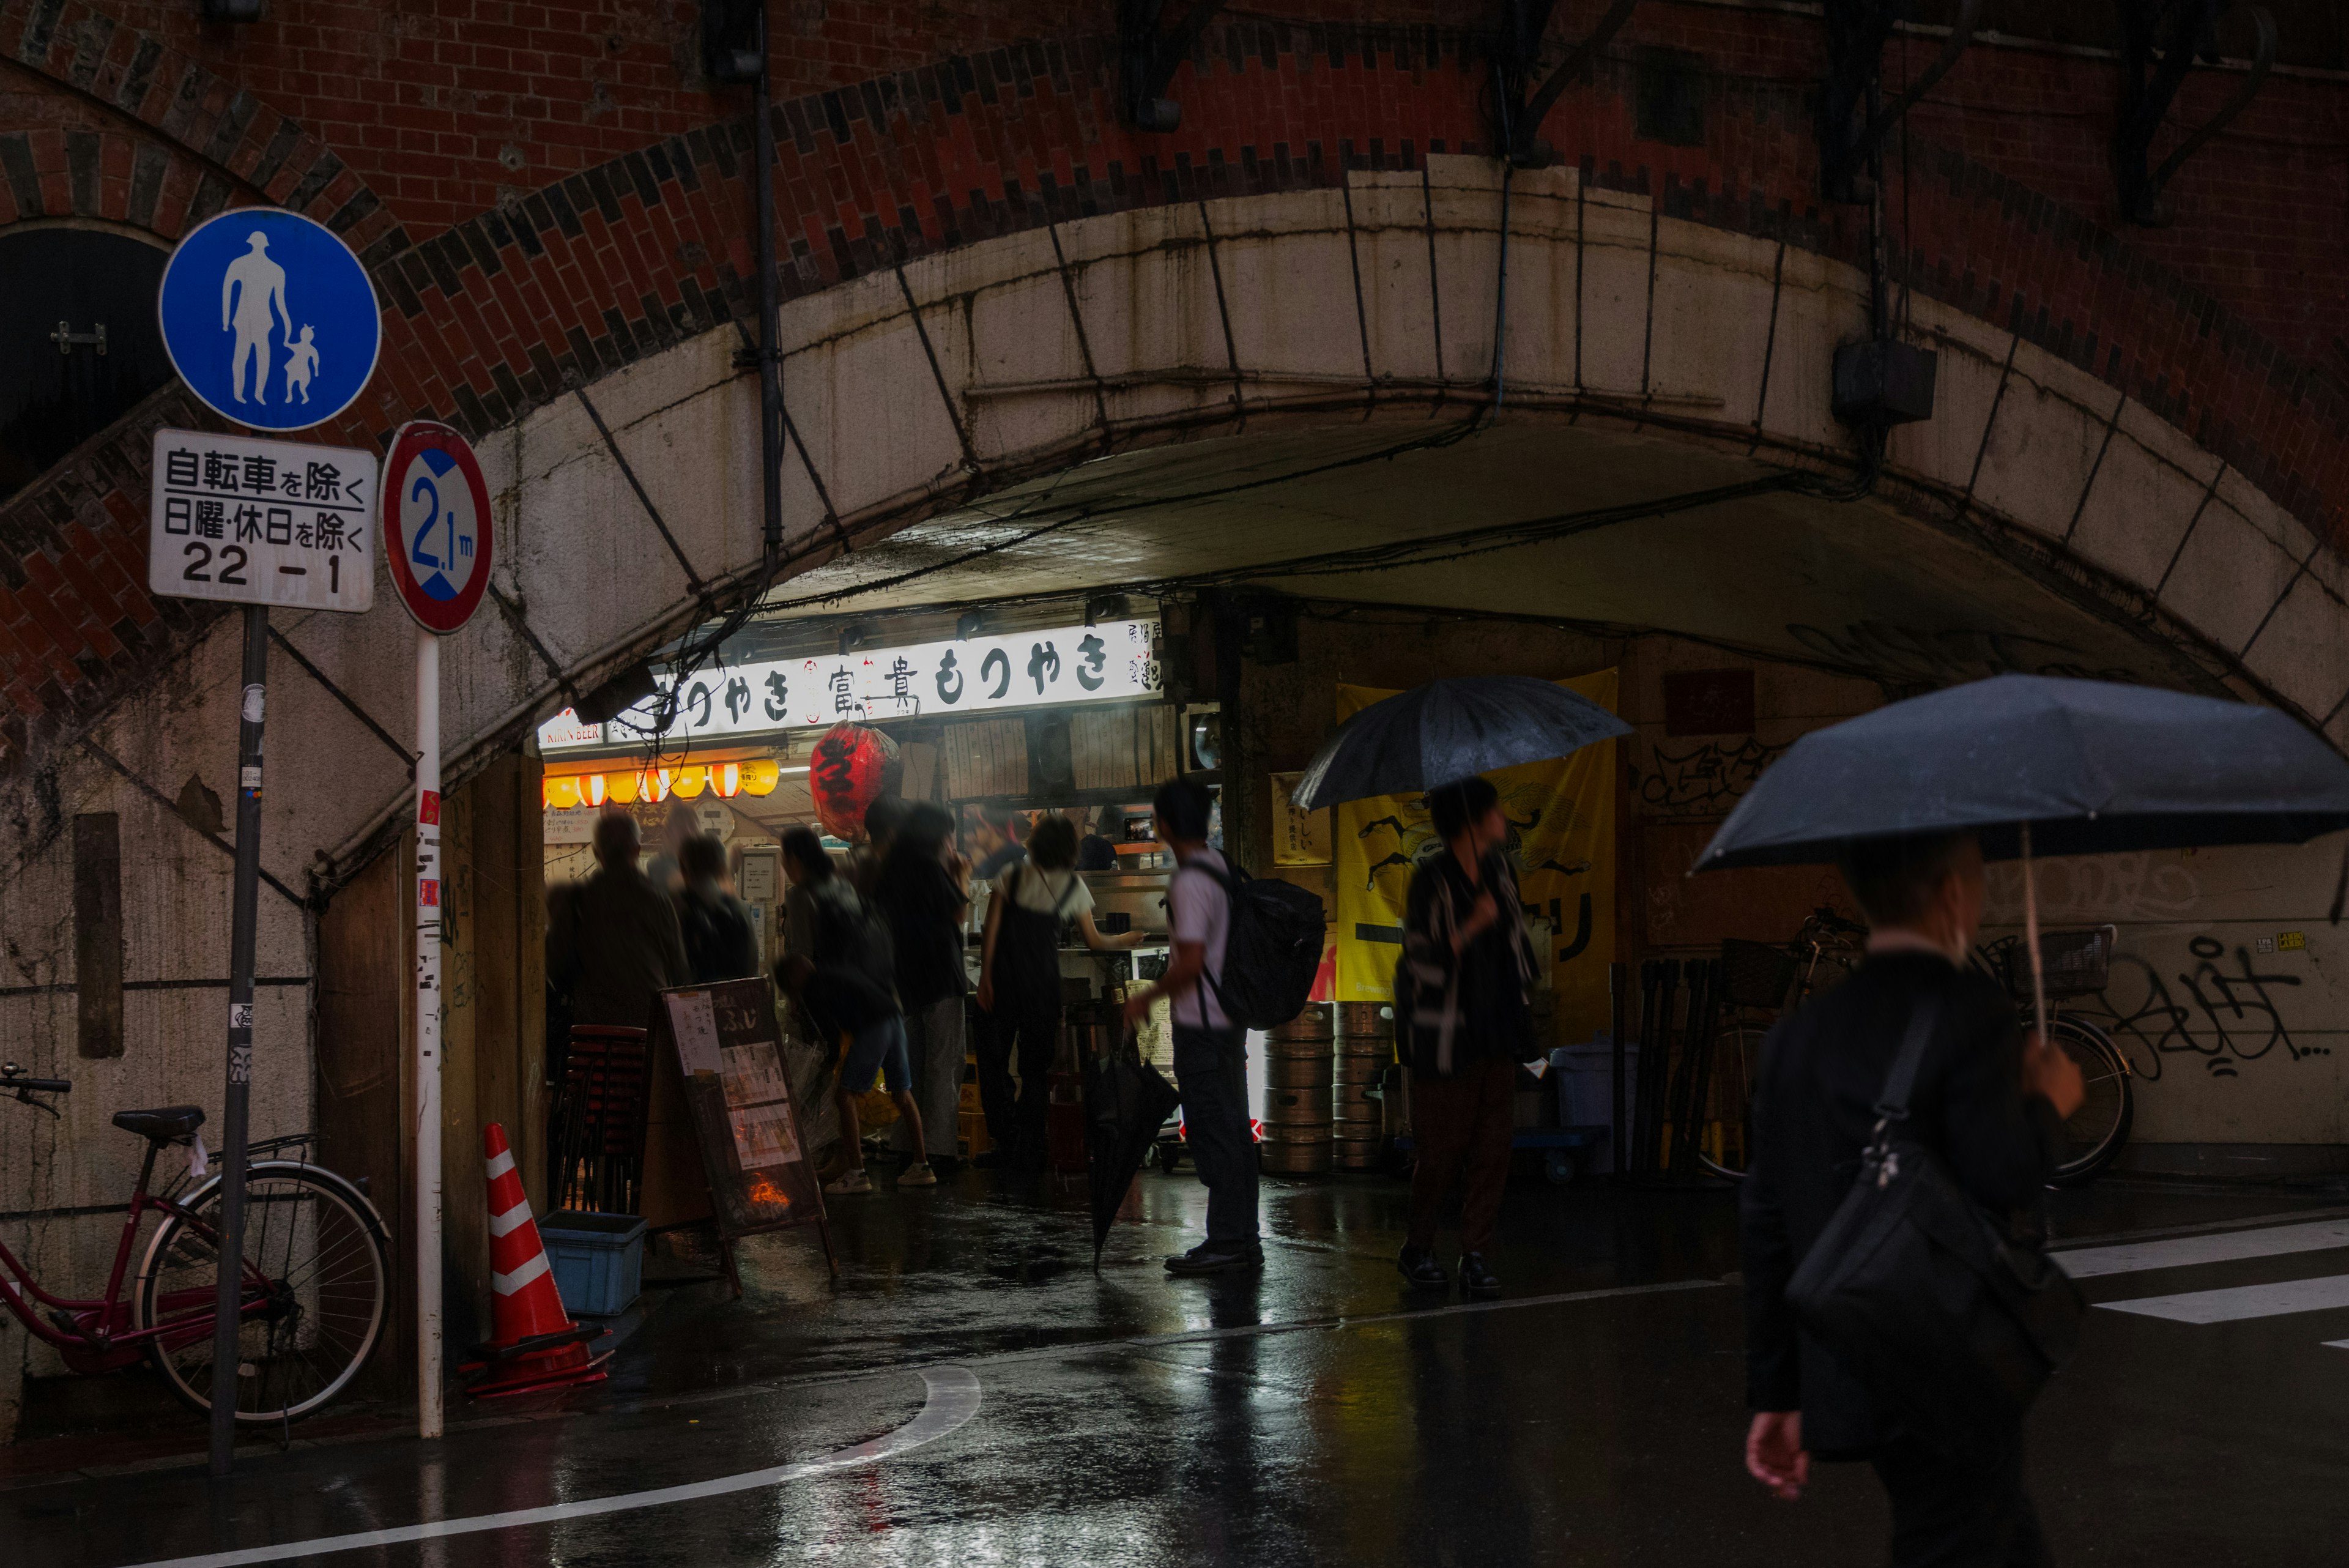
1419 1266
1209 1257
1476 1278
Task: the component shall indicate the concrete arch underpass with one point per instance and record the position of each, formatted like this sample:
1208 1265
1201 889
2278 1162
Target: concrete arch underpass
1297 392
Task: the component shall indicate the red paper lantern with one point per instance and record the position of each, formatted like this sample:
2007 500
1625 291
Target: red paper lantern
853 766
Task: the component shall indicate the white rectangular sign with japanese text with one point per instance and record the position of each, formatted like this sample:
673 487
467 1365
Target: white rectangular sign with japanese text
261 522
1113 661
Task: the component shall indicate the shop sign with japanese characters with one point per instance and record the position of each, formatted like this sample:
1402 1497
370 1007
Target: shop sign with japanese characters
1116 660
261 522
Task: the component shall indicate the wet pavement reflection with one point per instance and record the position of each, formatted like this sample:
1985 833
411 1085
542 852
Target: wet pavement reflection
1317 1413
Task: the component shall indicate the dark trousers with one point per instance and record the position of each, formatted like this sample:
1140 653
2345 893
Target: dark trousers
1015 1117
1462 1125
1945 1516
1211 1070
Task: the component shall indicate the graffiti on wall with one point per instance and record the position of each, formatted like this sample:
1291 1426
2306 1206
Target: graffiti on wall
2223 1011
1703 780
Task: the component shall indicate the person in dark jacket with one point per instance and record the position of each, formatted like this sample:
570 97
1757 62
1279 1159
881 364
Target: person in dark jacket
852 1014
922 888
1464 1015
613 941
719 940
1989 1102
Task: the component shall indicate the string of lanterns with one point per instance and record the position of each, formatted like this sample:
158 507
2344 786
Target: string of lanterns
725 780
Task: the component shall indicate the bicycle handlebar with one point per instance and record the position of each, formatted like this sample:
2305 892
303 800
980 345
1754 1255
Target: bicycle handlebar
12 1078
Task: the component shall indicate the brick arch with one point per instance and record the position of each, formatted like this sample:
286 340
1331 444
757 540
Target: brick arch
603 269
110 177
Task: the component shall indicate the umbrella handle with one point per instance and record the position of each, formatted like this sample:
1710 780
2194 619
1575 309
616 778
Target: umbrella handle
2031 935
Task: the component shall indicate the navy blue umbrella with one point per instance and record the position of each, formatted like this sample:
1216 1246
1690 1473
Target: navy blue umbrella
2038 764
2089 766
1447 731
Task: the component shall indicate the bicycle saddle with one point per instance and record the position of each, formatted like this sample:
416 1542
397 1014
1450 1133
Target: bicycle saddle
162 1125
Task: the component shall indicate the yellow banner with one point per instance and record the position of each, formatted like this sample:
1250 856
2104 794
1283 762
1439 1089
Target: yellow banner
1561 817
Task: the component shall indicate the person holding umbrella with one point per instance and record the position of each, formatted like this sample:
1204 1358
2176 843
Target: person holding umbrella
1464 1016
1993 1105
1899 1307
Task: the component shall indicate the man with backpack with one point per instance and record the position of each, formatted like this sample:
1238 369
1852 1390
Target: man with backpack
1210 1047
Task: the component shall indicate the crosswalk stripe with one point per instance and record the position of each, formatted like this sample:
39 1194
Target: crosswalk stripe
2183 1252
2232 1305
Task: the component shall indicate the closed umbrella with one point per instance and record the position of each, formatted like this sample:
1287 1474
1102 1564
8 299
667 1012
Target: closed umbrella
1126 1102
2036 763
1447 731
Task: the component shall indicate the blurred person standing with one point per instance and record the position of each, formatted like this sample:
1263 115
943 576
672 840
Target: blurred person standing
1988 1101
1210 1050
1020 983
922 888
667 868
613 942
720 943
882 818
860 1021
995 839
1464 1020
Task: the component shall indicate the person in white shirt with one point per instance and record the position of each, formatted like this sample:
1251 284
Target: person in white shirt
1210 1053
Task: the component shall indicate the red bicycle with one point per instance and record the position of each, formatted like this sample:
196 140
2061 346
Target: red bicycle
316 1273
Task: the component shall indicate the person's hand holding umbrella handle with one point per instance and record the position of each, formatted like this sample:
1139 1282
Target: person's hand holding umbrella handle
2049 1073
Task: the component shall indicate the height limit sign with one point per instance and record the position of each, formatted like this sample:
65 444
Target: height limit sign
261 522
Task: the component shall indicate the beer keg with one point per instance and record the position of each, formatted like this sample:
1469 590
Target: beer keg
1357 1154
1314 1072
1293 1159
1366 1019
1313 1023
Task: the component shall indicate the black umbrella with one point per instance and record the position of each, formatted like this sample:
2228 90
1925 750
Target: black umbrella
1447 731
2033 762
1126 1102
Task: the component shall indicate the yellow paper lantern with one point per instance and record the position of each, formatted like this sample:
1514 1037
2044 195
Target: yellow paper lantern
623 787
560 793
690 781
761 777
726 778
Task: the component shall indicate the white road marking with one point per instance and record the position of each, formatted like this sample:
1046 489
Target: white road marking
2183 1252
2320 1294
953 1400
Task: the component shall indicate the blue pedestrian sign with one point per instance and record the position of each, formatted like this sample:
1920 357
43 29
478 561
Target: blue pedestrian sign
269 318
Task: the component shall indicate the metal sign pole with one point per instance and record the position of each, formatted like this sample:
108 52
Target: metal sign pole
429 1420
229 1294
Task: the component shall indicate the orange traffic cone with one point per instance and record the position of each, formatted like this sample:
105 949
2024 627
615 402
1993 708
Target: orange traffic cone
536 1346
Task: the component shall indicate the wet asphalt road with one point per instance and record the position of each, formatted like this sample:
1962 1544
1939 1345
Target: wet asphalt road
1316 1414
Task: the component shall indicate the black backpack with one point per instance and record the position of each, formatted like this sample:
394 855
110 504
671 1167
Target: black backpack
850 934
1272 951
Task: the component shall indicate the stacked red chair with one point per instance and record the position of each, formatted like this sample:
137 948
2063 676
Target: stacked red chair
537 1345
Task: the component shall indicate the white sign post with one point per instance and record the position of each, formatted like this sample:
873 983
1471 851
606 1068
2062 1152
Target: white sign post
439 542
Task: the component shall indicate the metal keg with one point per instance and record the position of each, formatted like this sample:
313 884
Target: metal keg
1366 1018
1294 1158
1296 1115
1315 1072
1357 1154
1313 1023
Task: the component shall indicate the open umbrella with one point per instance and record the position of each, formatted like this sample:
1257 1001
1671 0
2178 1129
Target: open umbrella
2032 762
1126 1102
1447 731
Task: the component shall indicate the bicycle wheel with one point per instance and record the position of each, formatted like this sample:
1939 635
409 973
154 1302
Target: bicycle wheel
323 1292
2094 1134
1729 1099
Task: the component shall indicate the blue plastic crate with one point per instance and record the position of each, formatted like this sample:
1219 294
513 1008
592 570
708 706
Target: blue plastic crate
598 1260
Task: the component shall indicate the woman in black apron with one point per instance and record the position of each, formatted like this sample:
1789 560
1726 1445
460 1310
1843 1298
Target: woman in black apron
1019 985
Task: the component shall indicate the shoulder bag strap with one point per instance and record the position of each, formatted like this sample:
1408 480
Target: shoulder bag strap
1902 1080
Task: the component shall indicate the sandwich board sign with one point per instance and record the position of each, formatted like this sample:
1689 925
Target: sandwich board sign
248 521
269 318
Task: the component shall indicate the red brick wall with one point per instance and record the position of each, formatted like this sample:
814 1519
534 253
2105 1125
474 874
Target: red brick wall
525 236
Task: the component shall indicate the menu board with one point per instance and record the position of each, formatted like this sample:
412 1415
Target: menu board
728 1051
